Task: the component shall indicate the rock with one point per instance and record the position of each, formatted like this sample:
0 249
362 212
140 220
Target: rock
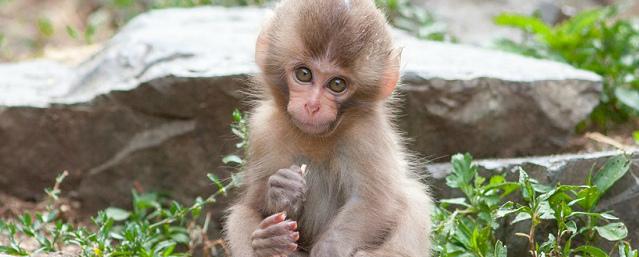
152 109
571 169
490 103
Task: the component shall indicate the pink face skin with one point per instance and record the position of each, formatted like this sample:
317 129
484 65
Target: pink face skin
312 105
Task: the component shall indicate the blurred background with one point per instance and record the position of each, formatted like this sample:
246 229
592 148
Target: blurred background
35 28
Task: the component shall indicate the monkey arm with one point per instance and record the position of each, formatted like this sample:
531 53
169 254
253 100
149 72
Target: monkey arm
285 192
241 223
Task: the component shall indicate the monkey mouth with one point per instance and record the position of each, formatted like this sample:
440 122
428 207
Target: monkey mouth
314 128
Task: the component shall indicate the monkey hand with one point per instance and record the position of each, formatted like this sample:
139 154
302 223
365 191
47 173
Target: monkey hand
286 190
275 236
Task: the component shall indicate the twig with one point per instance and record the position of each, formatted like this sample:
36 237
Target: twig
598 137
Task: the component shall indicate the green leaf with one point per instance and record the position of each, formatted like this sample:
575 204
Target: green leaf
635 135
545 211
45 27
463 171
527 23
181 238
457 201
237 115
218 183
89 33
13 251
590 198
521 217
591 250
625 250
609 216
615 168
629 97
123 3
117 214
71 32
613 231
549 244
234 159
507 209
500 249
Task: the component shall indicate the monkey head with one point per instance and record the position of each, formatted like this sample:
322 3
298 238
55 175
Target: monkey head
326 62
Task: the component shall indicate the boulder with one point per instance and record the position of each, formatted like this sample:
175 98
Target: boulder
152 109
570 169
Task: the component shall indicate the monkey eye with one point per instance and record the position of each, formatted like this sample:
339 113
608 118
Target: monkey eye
337 85
303 74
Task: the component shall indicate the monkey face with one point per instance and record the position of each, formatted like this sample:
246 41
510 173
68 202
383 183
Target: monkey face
316 92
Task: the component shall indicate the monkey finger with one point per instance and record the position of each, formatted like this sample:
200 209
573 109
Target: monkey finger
297 170
280 229
273 219
290 174
276 181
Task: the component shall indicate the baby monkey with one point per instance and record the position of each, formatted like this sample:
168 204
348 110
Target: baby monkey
327 173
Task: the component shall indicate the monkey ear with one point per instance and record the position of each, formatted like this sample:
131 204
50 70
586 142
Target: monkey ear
391 75
263 42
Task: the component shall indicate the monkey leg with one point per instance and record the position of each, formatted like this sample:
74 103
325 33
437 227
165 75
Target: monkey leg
412 236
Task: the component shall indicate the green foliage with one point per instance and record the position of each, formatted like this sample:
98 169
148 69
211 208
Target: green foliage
635 135
155 226
468 226
595 40
45 27
417 21
465 226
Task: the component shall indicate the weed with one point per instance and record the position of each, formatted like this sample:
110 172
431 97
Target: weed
595 40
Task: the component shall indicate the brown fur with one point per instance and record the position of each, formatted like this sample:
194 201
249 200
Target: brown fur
362 198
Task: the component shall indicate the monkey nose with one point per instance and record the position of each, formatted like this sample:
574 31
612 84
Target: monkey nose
312 108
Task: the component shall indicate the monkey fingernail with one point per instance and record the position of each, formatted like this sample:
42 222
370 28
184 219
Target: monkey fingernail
296 236
292 247
292 225
282 216
303 168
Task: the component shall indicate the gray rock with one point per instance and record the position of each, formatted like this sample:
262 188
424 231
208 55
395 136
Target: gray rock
152 109
622 199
